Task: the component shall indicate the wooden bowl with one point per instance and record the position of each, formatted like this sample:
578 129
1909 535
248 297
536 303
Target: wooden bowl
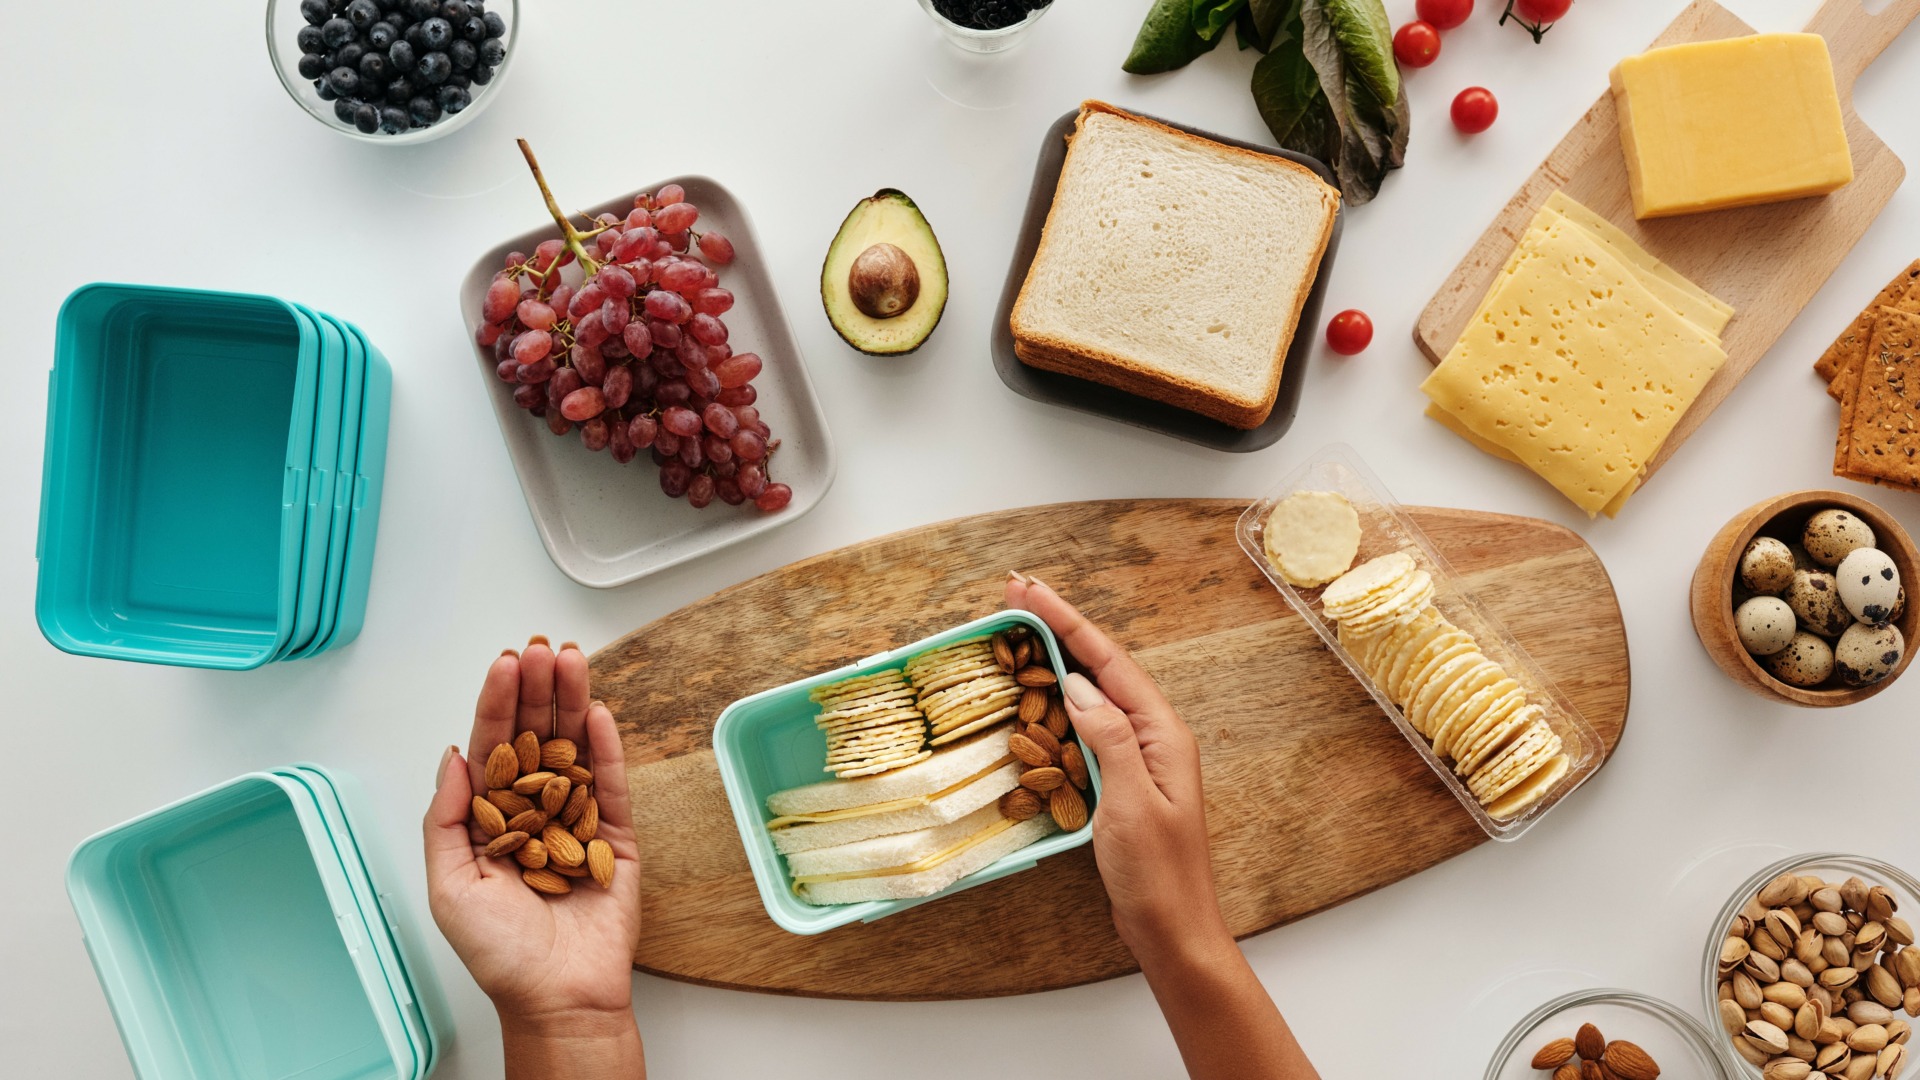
1785 518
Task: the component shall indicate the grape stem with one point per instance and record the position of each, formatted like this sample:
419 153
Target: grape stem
576 241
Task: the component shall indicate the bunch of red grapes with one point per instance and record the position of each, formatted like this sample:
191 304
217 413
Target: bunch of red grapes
635 355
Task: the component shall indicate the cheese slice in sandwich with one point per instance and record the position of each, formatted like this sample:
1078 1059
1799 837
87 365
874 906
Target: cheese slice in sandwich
808 832
919 782
913 864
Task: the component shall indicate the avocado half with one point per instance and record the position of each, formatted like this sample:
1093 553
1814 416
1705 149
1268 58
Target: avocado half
884 283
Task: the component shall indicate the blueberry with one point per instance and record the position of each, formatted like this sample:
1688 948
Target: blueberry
388 5
415 38
400 57
349 55
453 99
452 10
424 111
493 52
343 110
310 40
381 35
435 68
422 9
326 92
336 32
314 11
463 55
460 80
393 120
436 33
363 13
343 81
482 75
373 68
312 67
472 28
496 26
401 90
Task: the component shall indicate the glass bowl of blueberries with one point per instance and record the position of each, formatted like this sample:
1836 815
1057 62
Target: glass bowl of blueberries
985 26
392 71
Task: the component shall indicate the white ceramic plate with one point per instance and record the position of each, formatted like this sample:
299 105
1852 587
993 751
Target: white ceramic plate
607 524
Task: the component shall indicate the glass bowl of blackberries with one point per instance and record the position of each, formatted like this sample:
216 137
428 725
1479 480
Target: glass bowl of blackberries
392 71
985 26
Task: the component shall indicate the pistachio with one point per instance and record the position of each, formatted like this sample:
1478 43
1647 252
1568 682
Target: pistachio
1734 950
1869 1012
1746 991
1783 890
1832 1058
1765 944
1786 1068
1891 1061
1906 967
1763 968
1853 892
1880 903
1784 925
1809 1019
1868 1037
1732 1016
1776 1014
1883 987
1826 899
1899 930
1830 923
1784 993
1797 973
1765 1034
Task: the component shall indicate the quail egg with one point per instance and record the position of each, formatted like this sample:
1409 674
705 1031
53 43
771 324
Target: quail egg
1832 535
1814 596
1802 560
1765 625
1806 662
1869 585
1767 566
1867 654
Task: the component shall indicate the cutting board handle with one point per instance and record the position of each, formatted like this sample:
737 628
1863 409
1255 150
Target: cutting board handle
1855 38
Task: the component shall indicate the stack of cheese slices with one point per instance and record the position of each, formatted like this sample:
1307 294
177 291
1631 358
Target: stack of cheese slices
1581 359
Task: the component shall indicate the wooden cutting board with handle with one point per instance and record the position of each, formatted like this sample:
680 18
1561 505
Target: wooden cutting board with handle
1313 797
1767 261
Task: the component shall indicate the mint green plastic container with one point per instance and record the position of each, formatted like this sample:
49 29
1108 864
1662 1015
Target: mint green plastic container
768 743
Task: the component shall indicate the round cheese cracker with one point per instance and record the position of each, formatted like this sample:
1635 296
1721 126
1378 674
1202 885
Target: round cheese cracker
1460 701
1493 738
846 686
1454 724
938 705
868 720
1311 537
1530 790
1481 716
1420 706
966 714
946 654
1350 592
1400 665
880 767
984 722
867 706
1525 755
866 695
1444 649
934 682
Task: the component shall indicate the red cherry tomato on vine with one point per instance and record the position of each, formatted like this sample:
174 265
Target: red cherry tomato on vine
1474 110
1541 12
1443 14
1416 44
1349 332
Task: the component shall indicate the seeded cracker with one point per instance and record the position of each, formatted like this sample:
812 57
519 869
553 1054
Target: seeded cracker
1882 434
1843 357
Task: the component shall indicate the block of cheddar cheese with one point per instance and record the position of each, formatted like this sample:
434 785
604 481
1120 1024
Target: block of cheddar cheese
1710 125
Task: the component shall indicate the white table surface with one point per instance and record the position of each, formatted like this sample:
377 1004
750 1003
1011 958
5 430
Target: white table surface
110 172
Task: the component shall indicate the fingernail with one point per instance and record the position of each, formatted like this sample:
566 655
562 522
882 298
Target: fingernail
537 639
1081 692
441 773
598 704
510 652
1031 580
1015 575
565 645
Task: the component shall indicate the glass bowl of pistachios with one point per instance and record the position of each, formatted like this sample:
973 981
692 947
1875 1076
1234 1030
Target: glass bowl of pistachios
1810 971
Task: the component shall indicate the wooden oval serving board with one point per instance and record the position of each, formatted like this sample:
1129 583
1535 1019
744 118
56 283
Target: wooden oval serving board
1767 261
1313 797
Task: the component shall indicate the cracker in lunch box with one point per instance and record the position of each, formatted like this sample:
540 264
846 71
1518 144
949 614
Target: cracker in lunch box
1358 588
999 716
1311 537
883 766
871 722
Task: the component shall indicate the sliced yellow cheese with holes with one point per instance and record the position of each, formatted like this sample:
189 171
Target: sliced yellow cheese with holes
1452 423
1709 125
1574 367
1694 303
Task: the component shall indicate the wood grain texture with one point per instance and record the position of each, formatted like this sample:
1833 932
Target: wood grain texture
1767 261
1312 797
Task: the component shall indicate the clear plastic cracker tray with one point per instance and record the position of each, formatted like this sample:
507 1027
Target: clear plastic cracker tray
1385 527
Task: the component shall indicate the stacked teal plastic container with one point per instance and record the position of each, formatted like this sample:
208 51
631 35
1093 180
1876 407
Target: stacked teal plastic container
241 932
210 491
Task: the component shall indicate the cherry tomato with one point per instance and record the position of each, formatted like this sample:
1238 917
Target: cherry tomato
1416 45
1349 332
1541 12
1474 110
1444 14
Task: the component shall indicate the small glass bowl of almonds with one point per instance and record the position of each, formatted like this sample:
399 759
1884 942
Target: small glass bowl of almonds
1607 1033
1811 974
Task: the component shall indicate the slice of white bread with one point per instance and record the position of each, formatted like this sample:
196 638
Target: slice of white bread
948 766
890 851
1173 267
950 807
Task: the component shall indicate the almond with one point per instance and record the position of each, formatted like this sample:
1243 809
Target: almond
1034 676
505 844
1022 653
1074 764
1033 705
1590 1070
1589 1043
508 802
1047 742
526 747
1022 747
1569 1071
563 847
589 824
1057 720
1554 1054
530 784
546 881
1627 1061
1069 810
600 863
502 766
1046 778
488 817
1003 653
530 822
557 754
532 854
576 804
577 774
553 797
1019 804
570 871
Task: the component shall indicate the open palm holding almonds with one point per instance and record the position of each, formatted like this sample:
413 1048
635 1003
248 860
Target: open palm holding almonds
535 946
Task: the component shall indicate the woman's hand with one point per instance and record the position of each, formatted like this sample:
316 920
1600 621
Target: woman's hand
1150 828
550 964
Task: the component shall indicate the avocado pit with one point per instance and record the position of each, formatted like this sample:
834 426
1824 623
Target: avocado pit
883 281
